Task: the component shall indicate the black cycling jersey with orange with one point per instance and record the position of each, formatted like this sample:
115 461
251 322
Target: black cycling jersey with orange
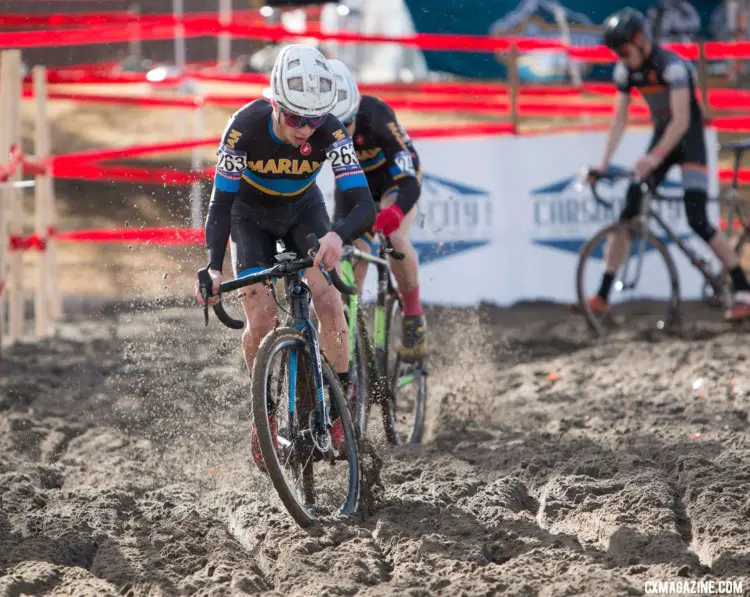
660 73
386 153
259 170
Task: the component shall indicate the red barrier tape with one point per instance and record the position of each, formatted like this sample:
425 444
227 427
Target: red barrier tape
16 159
116 16
130 174
125 100
101 155
147 236
34 241
726 175
105 34
200 27
58 19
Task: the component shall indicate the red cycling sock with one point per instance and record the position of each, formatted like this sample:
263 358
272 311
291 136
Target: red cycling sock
412 306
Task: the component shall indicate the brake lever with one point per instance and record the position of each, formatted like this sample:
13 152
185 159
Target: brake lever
206 284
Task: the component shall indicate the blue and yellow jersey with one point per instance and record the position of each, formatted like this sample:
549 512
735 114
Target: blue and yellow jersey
257 167
384 148
253 162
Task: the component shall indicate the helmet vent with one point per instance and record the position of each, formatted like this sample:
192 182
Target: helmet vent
295 84
293 64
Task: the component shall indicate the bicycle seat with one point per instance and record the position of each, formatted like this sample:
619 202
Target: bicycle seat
737 145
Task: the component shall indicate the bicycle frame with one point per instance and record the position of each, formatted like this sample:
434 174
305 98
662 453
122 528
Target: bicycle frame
647 214
385 288
298 297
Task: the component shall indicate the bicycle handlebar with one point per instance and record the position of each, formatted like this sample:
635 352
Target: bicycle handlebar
277 271
331 275
594 176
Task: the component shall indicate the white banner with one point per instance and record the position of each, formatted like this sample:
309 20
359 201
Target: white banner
502 220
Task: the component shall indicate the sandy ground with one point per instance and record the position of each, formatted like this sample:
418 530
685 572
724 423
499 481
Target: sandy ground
124 440
124 465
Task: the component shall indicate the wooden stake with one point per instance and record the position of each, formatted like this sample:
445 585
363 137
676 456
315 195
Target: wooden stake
225 42
5 94
514 83
44 282
14 199
196 202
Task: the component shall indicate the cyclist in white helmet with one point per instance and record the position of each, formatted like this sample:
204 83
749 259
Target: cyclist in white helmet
264 189
393 172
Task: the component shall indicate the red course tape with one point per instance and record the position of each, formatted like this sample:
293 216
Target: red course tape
147 236
200 26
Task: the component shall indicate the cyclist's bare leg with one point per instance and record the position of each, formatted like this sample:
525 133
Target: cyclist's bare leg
260 312
334 335
695 181
413 340
614 251
723 250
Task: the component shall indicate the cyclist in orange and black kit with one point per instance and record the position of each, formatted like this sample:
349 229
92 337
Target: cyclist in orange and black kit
393 173
667 84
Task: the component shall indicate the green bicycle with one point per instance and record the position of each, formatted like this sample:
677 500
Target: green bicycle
376 370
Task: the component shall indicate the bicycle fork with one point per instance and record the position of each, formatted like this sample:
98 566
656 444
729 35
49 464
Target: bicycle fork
320 424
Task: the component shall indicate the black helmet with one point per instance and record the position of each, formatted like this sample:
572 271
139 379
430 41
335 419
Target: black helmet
621 27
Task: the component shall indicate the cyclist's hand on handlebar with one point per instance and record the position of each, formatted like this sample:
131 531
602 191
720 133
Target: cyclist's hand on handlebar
216 278
329 251
595 173
644 166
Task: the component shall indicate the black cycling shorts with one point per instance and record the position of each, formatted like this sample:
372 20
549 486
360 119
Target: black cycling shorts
257 226
690 154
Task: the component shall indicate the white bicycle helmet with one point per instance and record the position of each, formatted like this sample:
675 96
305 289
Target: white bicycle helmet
302 82
348 97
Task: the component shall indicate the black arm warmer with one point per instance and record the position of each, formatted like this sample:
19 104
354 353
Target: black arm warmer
218 226
360 209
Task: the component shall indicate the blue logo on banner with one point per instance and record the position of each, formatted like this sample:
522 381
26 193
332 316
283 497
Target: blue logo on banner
566 217
451 217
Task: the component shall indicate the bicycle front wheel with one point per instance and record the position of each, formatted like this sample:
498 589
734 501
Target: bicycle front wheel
646 287
311 477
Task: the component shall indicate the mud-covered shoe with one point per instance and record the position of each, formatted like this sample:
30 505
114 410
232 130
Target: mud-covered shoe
598 305
740 309
413 339
255 444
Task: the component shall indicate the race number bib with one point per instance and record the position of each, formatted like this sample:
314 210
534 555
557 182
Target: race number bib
231 163
343 156
405 163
